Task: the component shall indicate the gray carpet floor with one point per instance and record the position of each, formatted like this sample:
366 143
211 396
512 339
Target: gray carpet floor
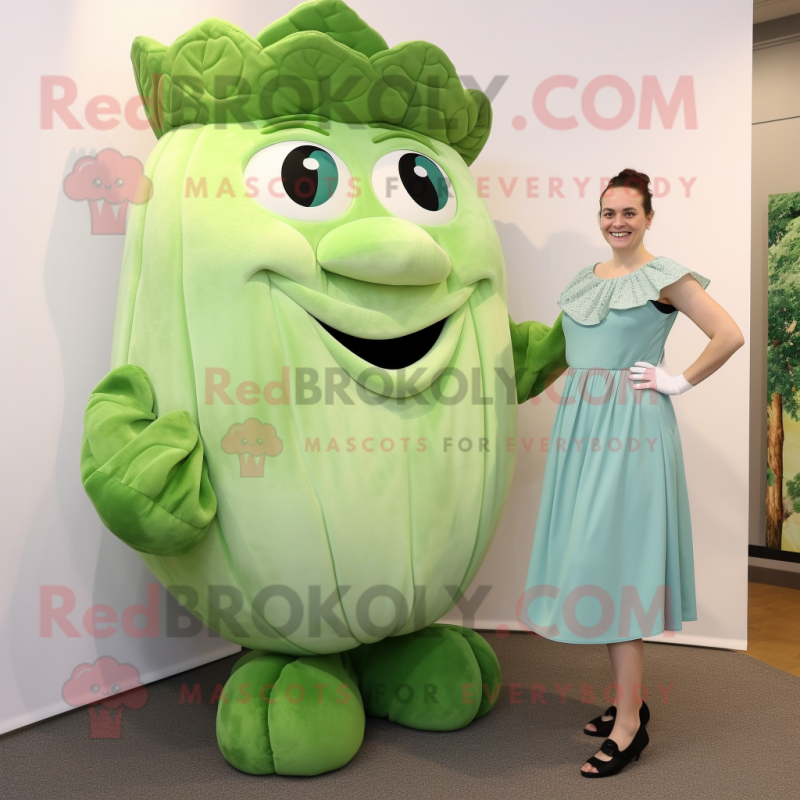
729 729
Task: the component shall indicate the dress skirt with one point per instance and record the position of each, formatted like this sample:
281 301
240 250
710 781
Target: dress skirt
612 553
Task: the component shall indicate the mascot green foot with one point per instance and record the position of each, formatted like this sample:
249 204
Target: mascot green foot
289 715
440 678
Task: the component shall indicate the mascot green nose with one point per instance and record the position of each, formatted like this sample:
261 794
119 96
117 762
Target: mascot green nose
385 250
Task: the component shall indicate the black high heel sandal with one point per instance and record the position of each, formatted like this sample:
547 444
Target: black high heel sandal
605 726
619 758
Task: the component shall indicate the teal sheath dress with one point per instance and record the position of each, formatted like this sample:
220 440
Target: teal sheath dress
612 553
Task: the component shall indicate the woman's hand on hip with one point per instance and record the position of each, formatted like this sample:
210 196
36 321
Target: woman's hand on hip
657 377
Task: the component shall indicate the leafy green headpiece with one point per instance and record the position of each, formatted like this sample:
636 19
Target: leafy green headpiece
323 59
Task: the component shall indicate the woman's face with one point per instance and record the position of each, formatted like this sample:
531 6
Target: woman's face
622 218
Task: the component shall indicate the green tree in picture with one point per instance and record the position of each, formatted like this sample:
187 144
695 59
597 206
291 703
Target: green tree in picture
783 355
783 208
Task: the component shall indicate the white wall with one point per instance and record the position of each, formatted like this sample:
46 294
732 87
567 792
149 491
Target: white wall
59 281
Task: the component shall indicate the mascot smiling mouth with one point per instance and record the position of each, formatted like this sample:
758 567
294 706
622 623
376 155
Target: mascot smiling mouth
396 353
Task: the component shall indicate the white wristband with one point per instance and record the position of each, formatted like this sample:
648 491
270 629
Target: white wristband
683 384
671 384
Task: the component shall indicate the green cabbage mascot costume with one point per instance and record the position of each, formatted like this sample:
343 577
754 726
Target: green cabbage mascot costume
315 376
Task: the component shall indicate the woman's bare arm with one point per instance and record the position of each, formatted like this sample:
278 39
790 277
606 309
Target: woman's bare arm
689 297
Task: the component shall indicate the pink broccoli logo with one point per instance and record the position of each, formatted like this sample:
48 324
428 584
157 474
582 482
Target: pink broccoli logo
103 687
252 441
109 181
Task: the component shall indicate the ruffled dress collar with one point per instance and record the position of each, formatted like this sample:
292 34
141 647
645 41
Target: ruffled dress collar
587 298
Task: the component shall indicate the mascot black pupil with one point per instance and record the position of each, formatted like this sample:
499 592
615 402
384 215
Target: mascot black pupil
309 176
423 181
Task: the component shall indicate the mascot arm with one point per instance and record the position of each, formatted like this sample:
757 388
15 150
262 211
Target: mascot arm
145 475
540 356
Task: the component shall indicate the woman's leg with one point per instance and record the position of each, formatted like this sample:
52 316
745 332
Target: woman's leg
627 661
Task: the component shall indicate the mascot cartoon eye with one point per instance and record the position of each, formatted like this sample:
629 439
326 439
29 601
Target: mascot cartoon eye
116 688
300 180
414 187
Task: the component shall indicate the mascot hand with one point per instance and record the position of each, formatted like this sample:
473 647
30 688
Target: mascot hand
146 476
540 355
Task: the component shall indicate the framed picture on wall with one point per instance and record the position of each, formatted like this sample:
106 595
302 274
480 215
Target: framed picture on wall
782 530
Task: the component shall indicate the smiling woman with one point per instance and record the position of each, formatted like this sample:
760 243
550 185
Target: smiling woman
612 554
